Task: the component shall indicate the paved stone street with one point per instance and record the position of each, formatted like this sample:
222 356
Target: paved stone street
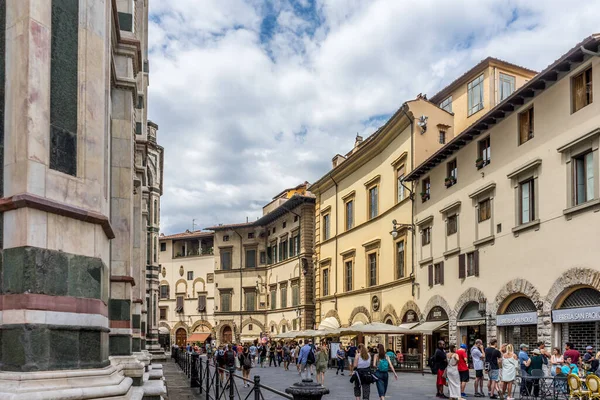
408 385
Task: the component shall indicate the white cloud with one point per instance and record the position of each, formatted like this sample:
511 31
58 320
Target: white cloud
241 118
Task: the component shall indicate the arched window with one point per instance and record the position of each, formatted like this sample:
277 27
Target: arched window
164 291
154 249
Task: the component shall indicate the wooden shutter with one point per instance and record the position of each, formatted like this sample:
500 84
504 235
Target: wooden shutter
579 92
179 304
462 272
524 126
476 261
430 275
441 273
201 303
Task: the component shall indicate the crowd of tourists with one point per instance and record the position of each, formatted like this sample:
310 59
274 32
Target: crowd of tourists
503 365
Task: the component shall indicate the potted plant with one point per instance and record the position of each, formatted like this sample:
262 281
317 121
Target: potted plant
479 163
424 196
449 181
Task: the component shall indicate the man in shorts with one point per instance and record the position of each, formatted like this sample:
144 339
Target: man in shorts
492 355
351 352
440 361
463 368
477 356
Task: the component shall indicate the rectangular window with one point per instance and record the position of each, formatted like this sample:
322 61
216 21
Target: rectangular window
325 288
349 214
485 152
263 258
163 246
297 244
164 292
485 210
190 275
581 86
507 85
291 247
201 302
295 295
442 137
471 264
447 104
348 270
526 201
225 259
425 189
226 238
250 235
583 174
326 227
284 250
373 199
250 300
179 304
163 313
451 225
372 259
64 86
283 296
475 95
225 301
284 224
426 236
438 273
273 298
400 270
451 173
274 251
250 258
525 126
400 172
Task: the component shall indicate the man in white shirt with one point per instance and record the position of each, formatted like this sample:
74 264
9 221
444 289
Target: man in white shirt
477 356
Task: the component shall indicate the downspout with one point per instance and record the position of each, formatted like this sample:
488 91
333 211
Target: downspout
241 282
412 198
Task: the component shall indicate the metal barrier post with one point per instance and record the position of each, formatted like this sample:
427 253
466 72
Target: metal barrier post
207 379
231 388
257 395
200 374
194 373
217 382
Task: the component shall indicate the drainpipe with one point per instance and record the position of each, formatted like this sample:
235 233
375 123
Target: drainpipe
241 290
589 52
412 197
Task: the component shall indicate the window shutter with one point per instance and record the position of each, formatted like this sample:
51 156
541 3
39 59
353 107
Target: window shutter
201 303
441 273
476 261
291 247
430 275
179 304
462 273
524 126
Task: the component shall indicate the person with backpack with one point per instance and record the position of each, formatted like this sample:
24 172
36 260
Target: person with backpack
439 363
246 364
304 357
286 356
220 358
362 376
383 364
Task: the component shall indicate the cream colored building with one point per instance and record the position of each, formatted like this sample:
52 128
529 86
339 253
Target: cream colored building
365 269
263 270
508 248
187 287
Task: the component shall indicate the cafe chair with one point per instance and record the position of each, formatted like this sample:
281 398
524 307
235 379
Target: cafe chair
576 390
593 384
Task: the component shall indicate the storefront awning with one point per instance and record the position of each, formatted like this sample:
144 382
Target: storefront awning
329 324
198 337
408 325
427 328
472 322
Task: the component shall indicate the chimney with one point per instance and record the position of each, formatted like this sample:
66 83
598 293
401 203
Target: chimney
358 141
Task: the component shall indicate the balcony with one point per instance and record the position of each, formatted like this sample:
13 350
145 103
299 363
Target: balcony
193 248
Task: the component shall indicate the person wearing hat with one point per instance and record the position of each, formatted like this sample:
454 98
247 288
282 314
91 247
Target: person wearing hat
463 368
537 362
524 362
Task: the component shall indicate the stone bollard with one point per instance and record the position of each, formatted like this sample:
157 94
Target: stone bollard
307 390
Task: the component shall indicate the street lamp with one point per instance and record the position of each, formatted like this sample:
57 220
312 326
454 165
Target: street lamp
396 228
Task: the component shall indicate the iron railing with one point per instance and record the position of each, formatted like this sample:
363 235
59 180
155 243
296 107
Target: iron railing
219 383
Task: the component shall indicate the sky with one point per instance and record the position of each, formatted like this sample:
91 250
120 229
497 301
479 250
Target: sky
255 96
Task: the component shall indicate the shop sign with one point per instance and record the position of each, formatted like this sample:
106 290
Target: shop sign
528 318
586 314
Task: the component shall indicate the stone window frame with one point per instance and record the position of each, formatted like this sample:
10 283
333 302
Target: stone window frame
399 239
295 283
372 247
222 250
272 304
486 192
283 286
349 198
246 292
371 184
348 256
326 228
585 143
256 255
160 310
425 223
399 165
228 292
451 210
524 173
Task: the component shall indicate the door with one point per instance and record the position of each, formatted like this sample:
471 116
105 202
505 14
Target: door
181 337
227 336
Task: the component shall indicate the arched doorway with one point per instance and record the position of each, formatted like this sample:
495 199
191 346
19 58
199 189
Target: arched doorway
181 337
578 318
227 335
471 324
517 321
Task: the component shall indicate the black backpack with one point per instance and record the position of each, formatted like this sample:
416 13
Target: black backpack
247 361
432 365
230 359
310 358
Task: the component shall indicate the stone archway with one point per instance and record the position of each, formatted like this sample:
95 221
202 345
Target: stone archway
184 282
410 306
468 296
249 321
203 323
181 325
359 310
334 314
194 290
286 323
512 288
389 312
273 328
437 301
569 281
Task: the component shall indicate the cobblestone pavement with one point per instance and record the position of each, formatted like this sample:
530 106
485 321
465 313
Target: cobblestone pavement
408 385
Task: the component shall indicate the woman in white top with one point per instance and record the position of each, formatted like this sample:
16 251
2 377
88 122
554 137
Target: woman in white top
452 375
362 373
510 363
556 361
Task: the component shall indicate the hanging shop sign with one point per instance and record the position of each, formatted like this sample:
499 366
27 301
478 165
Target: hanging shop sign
585 314
528 318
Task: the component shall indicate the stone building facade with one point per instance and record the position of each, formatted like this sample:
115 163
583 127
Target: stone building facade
75 300
507 250
186 287
264 282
